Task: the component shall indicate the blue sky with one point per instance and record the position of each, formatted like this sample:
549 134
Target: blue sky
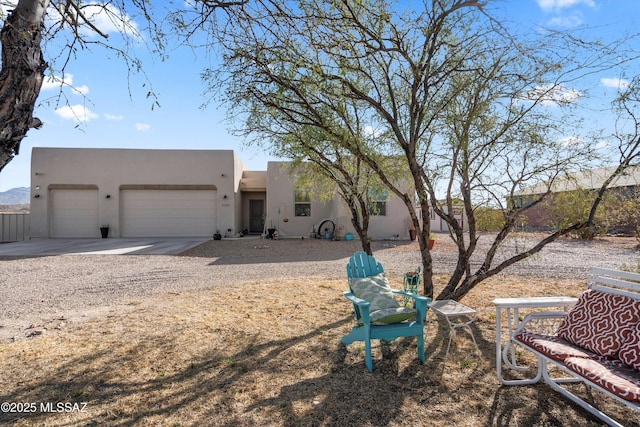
106 112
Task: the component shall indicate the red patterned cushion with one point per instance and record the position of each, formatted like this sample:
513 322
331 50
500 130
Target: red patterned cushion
630 350
623 382
552 346
600 322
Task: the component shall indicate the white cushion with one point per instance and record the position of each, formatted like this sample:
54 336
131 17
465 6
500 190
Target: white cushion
384 309
375 290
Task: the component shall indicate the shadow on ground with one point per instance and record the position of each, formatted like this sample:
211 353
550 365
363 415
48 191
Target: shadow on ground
247 387
259 251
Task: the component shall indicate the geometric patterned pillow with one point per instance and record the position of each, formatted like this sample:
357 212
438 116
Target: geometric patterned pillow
374 289
630 350
601 322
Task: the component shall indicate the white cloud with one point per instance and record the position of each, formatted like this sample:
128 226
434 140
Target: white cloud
554 95
143 127
615 83
372 132
55 82
113 116
556 5
81 90
574 20
77 112
108 19
576 141
571 141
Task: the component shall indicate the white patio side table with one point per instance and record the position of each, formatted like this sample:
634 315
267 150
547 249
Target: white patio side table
457 315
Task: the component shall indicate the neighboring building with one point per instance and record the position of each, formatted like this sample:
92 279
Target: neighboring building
181 193
538 217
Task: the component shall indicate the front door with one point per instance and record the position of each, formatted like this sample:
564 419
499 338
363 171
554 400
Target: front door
256 216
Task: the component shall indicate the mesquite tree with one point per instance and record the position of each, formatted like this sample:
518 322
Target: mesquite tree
459 100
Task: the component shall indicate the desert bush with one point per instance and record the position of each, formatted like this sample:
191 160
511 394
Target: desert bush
623 213
572 207
489 219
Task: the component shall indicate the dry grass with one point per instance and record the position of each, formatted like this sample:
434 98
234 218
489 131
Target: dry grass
269 354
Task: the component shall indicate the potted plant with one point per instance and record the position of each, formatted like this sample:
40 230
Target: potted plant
432 240
271 230
104 231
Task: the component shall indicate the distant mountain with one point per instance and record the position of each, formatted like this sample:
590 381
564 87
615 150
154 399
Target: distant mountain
15 196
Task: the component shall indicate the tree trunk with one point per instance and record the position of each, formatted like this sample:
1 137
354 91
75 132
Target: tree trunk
362 228
21 76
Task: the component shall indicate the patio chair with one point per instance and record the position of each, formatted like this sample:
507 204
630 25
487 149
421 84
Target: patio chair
377 313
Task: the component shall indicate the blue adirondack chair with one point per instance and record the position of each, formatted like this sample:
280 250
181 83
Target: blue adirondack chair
363 265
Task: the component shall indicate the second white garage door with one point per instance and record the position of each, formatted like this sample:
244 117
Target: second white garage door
168 213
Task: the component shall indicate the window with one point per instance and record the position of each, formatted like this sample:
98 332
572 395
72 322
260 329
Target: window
379 208
378 202
302 202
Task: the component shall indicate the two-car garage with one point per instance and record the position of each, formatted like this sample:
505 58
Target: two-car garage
135 192
144 211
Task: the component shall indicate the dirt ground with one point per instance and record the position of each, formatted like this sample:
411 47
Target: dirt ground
268 353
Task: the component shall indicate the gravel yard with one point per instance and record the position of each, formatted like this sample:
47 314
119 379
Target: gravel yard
45 292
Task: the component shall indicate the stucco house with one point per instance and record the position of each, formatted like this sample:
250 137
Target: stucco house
181 193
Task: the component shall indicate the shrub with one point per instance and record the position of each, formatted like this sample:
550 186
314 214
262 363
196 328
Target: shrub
489 219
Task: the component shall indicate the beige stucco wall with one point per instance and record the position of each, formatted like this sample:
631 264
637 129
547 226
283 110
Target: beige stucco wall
280 207
393 225
111 169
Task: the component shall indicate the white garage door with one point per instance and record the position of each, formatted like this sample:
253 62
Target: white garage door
74 213
168 213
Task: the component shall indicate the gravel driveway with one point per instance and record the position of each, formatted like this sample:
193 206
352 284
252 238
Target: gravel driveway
44 292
